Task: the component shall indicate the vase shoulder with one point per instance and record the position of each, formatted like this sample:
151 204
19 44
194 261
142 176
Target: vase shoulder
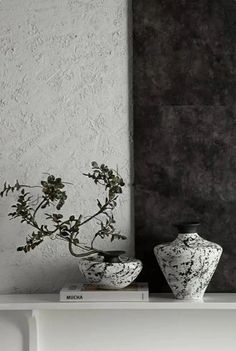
188 241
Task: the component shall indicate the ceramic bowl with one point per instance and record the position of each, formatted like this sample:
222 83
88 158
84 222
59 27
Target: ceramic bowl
108 275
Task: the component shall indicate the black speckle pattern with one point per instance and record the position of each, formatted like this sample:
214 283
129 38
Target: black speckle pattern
110 275
188 264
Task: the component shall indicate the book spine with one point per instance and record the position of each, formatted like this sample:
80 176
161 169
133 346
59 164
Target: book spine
103 296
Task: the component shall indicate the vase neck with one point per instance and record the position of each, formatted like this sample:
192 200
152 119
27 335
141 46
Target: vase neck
188 236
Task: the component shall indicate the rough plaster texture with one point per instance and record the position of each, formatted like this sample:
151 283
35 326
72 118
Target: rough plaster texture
63 103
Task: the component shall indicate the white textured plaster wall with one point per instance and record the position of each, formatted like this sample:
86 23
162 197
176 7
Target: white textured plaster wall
64 102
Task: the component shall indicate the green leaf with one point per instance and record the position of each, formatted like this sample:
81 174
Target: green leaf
51 179
99 204
94 164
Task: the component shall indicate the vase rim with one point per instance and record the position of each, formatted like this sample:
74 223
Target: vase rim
95 260
187 227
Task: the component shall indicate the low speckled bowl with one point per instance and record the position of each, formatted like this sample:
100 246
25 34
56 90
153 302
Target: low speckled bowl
106 275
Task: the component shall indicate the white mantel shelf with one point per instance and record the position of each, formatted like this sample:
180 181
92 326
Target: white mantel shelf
39 302
32 305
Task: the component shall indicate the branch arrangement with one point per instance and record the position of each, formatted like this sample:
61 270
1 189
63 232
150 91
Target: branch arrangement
27 208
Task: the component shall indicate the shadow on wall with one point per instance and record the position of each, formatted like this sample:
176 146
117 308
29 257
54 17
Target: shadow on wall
184 73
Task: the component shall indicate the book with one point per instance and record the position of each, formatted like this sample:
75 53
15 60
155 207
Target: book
85 292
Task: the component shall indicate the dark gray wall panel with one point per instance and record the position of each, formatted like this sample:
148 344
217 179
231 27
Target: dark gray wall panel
184 90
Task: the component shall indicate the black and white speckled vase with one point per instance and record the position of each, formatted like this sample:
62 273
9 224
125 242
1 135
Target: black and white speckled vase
107 275
189 262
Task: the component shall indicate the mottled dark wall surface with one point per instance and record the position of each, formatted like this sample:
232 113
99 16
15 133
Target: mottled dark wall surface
184 86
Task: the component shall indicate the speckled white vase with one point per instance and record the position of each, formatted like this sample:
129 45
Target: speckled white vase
188 263
108 275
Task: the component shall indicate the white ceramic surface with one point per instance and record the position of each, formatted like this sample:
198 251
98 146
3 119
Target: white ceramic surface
110 275
188 264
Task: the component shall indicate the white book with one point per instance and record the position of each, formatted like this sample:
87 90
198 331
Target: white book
84 292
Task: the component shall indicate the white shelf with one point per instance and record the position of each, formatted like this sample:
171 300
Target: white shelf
32 304
218 301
